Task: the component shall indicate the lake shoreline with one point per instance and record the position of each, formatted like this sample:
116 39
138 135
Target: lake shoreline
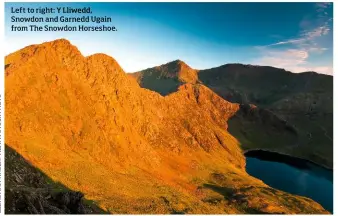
292 175
245 152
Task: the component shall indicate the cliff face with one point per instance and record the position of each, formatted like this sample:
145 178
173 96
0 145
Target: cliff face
258 128
87 125
304 101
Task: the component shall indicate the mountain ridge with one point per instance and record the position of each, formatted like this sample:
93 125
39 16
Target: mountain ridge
305 100
88 125
231 64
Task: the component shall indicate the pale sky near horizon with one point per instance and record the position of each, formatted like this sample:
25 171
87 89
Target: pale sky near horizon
294 36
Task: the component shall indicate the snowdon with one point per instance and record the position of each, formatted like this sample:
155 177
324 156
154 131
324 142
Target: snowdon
26 19
60 28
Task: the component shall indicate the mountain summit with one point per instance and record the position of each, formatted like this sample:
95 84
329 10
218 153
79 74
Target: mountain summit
84 123
166 78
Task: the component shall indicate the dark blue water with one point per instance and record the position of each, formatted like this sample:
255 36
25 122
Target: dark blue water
296 177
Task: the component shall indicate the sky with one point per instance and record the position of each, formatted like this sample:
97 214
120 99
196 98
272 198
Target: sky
295 36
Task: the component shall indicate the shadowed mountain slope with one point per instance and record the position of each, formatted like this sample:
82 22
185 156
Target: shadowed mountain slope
29 191
304 101
87 125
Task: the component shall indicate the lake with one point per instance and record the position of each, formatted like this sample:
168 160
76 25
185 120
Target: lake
292 175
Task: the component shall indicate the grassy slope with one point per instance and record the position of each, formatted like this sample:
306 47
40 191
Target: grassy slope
26 186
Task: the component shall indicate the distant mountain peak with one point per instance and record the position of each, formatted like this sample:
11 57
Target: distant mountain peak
176 69
175 66
178 62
